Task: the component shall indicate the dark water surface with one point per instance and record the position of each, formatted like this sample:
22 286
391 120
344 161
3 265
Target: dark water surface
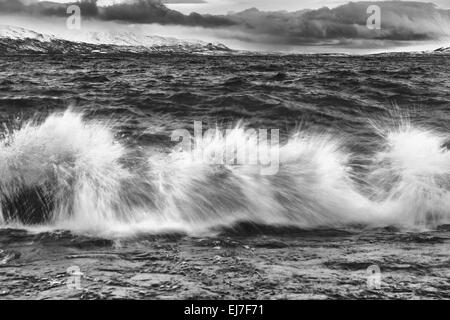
395 216
272 91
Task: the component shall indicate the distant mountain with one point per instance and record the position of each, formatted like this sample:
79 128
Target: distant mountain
150 41
443 50
16 40
18 33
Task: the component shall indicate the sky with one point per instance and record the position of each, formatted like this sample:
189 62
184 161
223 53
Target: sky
225 6
341 28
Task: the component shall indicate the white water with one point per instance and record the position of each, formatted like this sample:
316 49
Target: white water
85 172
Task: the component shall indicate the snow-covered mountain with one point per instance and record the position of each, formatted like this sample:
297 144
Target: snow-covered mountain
443 50
21 40
18 33
128 38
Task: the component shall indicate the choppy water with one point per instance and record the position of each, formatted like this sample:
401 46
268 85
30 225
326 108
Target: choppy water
365 141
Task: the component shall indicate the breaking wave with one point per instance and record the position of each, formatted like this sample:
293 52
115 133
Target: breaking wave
70 173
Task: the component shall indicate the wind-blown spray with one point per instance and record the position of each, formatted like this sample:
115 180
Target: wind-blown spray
66 172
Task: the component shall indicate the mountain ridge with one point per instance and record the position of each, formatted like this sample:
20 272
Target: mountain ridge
17 40
442 50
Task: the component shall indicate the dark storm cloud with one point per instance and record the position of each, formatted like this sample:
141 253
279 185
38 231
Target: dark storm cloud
153 11
399 21
133 11
45 8
11 6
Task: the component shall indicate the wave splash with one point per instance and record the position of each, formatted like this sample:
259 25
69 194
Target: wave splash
69 173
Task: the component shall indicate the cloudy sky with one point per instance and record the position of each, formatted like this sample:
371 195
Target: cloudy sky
225 6
275 25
